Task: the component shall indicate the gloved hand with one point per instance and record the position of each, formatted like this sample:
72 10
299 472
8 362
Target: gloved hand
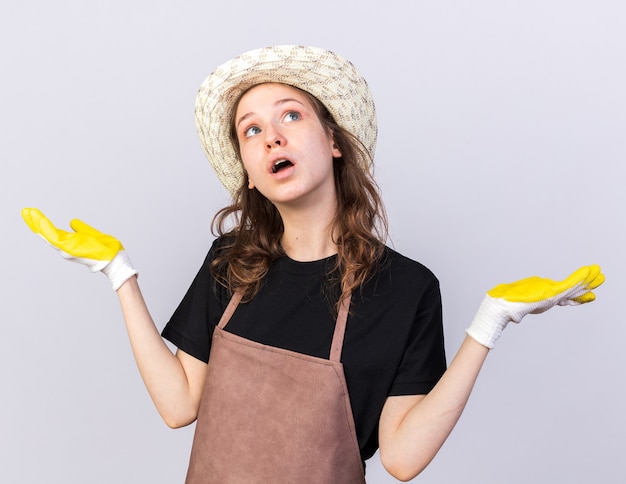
511 302
86 245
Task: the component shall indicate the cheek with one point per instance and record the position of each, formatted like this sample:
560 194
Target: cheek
247 158
330 149
328 143
251 165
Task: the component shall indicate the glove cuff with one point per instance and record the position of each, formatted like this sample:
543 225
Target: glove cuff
119 270
488 323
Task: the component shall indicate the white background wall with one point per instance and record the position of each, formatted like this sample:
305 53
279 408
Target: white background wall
501 155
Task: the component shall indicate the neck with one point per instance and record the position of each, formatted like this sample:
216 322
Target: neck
308 233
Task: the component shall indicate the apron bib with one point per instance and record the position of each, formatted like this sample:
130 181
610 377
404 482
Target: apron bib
274 416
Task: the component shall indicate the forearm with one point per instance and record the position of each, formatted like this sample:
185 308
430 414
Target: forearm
161 370
412 440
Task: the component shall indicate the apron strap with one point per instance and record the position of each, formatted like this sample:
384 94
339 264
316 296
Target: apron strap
340 326
340 330
230 309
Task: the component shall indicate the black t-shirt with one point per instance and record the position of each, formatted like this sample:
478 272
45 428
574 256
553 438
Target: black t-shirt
394 338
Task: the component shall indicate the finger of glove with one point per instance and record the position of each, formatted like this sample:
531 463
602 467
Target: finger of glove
585 298
577 287
41 225
596 278
109 241
80 226
33 218
581 277
28 214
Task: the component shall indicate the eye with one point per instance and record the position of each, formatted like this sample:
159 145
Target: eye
251 131
292 116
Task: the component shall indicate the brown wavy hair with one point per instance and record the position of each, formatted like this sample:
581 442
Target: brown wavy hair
253 240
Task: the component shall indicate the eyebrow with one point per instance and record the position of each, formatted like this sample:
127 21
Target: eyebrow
277 103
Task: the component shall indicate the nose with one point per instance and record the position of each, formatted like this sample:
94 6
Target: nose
274 138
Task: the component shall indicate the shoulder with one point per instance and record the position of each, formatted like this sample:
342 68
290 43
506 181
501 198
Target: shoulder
207 278
400 269
221 243
398 284
219 248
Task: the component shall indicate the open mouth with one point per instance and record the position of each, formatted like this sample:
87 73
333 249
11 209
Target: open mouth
280 165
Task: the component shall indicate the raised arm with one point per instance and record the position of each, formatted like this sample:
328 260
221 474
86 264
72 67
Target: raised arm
174 382
413 428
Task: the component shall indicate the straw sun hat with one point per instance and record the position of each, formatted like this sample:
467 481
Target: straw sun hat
329 77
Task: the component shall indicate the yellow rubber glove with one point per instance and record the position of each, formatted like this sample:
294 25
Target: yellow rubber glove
86 245
513 301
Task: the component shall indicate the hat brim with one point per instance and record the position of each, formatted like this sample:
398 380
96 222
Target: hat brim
333 80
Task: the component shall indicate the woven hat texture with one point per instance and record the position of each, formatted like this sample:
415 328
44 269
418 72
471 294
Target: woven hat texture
329 77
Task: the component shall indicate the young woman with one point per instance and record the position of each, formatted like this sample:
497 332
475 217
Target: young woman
304 343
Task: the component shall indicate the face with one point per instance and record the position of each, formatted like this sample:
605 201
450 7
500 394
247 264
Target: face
286 152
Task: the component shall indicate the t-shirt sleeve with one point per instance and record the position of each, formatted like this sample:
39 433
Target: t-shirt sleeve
191 326
424 360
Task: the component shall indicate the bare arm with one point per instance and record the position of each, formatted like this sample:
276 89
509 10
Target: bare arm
174 382
414 427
